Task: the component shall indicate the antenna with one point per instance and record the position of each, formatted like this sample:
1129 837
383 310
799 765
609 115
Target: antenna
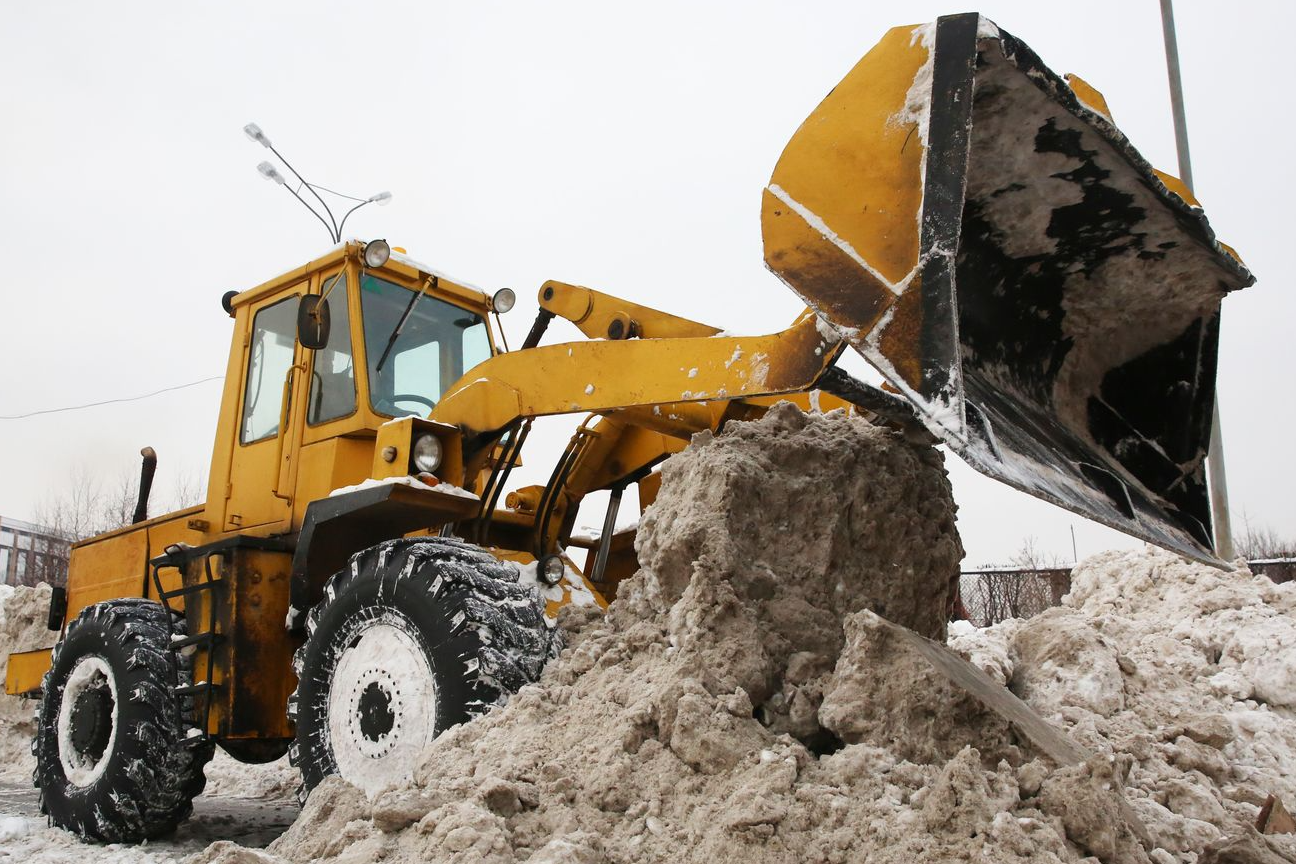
267 170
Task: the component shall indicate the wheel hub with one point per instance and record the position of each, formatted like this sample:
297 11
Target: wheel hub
381 704
375 709
92 722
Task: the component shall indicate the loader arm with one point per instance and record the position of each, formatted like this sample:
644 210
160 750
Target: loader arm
606 376
604 316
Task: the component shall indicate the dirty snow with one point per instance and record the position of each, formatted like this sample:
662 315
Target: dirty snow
740 700
23 615
1182 672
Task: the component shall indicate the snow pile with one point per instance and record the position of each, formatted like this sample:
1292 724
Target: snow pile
1184 673
24 613
740 702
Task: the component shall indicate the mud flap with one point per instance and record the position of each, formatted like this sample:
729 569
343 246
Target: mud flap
980 230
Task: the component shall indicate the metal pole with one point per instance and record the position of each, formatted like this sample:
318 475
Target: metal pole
1217 482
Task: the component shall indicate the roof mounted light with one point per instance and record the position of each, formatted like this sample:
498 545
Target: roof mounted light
376 253
335 228
269 172
254 132
503 300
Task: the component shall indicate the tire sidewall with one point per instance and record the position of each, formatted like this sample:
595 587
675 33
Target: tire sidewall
404 603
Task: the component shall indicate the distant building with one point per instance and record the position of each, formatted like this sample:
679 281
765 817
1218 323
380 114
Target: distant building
31 554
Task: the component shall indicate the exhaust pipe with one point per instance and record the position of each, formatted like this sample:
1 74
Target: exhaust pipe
147 468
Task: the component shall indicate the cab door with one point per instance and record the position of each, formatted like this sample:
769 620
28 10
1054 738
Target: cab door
267 436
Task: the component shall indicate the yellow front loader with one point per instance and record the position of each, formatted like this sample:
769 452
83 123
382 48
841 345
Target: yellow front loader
1036 295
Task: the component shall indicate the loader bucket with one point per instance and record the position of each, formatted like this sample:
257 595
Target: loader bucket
979 229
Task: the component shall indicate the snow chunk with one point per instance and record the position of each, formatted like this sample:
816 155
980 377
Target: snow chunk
412 482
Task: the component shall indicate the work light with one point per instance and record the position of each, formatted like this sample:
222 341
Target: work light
503 300
376 253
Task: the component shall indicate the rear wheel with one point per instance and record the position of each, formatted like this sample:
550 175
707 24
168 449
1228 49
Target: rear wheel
414 637
114 760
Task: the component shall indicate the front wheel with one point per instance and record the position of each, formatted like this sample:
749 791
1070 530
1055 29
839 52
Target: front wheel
414 637
115 759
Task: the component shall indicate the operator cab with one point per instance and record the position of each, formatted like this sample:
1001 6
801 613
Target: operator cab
415 341
323 357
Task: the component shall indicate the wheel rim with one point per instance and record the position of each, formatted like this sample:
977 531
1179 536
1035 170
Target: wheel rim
87 721
382 707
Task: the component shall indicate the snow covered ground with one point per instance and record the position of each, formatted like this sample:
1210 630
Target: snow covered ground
25 837
1184 674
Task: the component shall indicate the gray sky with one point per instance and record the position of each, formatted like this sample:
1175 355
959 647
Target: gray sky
615 146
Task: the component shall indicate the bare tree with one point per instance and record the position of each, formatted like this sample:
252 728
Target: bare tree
88 504
1258 544
47 562
187 489
118 502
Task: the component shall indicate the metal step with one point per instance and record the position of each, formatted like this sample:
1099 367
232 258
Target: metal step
210 640
203 687
191 589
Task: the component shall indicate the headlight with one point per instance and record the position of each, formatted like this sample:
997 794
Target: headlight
427 453
376 253
503 300
551 569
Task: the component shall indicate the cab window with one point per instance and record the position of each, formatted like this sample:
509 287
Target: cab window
415 345
333 387
270 354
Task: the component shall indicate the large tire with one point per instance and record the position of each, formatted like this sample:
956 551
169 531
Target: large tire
114 759
414 637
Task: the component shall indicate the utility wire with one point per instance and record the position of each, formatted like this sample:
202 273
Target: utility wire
110 401
335 192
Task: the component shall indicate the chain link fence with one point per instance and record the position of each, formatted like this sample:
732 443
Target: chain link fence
991 596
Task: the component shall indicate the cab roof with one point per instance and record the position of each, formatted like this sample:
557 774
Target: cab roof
399 264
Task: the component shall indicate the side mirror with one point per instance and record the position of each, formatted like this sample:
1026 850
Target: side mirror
313 322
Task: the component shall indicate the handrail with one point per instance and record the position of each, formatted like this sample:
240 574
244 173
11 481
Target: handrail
285 411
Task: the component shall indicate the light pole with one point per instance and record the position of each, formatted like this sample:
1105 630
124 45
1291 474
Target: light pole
1216 480
331 224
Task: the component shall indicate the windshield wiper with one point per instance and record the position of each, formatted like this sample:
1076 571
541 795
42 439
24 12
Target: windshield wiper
400 325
